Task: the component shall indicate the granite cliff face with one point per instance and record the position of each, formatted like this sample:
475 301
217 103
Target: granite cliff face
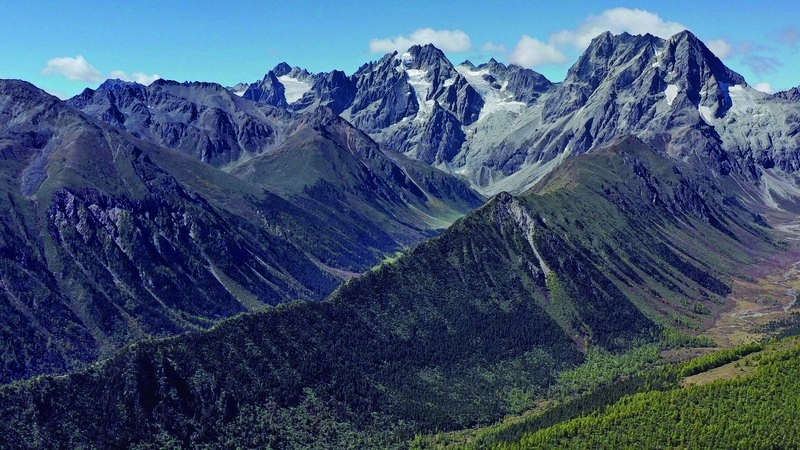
675 94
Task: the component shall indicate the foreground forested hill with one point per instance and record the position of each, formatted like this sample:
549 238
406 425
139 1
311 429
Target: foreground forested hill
753 404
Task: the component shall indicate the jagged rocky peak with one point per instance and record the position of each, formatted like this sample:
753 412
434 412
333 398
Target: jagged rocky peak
792 94
688 56
284 70
281 69
383 95
526 85
435 79
164 82
428 57
239 88
205 120
608 53
283 86
493 65
682 68
693 69
115 84
269 90
334 89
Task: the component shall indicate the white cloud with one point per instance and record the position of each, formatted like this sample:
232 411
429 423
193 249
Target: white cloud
446 40
58 94
764 87
721 47
77 68
492 47
137 77
531 52
616 20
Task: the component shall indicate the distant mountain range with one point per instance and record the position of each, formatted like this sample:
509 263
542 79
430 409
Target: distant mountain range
504 127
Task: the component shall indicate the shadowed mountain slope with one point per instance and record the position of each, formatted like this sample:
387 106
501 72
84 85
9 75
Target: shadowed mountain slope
110 238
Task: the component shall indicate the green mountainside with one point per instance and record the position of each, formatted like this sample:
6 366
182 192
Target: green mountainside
747 405
604 256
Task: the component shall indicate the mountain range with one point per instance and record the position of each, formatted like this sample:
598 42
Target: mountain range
112 237
504 127
418 246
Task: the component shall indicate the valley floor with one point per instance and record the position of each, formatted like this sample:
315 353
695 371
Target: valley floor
767 294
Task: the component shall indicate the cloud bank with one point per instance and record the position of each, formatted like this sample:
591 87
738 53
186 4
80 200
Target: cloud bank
616 20
137 77
531 52
764 87
721 47
446 40
79 69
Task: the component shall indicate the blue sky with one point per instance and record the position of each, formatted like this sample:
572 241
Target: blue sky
64 46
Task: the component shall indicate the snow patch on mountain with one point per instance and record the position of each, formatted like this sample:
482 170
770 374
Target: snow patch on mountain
418 79
706 114
744 99
671 92
657 59
294 88
494 99
239 89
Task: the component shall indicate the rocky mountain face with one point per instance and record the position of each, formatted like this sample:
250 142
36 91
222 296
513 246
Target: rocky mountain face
504 127
675 94
203 120
112 238
792 94
524 85
284 151
326 163
296 89
420 84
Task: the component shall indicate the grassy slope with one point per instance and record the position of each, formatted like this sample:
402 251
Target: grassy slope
745 403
